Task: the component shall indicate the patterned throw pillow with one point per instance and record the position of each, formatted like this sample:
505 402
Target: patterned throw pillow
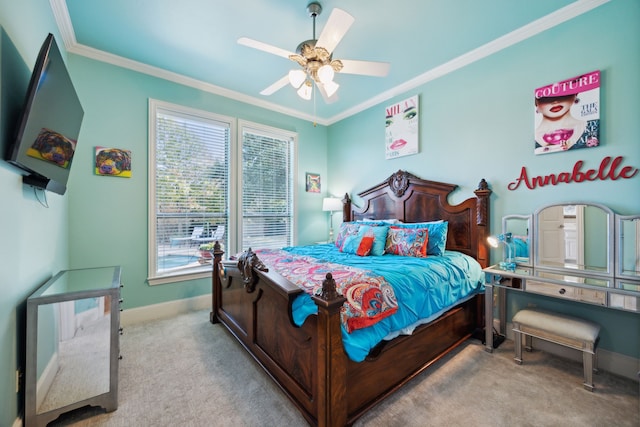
346 229
407 241
362 243
437 235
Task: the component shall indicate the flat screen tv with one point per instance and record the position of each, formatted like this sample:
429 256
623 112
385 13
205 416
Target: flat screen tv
48 127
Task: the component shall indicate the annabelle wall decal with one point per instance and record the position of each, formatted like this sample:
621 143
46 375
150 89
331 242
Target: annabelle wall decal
567 114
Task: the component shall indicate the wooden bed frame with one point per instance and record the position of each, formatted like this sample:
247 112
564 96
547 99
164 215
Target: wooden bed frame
309 362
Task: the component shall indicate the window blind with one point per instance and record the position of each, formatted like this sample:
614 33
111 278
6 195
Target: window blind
267 190
191 186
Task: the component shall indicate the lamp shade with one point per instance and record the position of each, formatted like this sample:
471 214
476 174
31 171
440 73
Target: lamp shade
296 78
305 91
331 204
331 88
326 73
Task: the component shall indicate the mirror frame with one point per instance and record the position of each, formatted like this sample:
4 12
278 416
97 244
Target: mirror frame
529 219
619 264
609 272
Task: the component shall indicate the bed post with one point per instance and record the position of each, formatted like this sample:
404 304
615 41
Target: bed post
346 208
482 220
216 286
332 360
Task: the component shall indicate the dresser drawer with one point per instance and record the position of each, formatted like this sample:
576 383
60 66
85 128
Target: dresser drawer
551 289
593 296
567 292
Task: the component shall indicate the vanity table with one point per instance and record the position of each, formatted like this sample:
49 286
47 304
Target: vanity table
575 252
73 350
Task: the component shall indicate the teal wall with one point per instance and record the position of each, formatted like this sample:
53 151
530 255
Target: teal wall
108 216
33 239
476 122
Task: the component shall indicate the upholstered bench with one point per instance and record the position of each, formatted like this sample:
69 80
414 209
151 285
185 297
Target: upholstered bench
561 329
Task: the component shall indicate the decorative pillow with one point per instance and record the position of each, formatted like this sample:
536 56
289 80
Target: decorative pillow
437 235
407 241
361 243
346 229
380 229
380 239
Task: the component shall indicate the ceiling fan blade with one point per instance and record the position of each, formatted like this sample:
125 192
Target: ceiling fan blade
276 86
328 99
367 68
264 47
337 26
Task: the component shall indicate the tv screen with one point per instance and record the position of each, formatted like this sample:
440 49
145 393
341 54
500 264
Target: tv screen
48 128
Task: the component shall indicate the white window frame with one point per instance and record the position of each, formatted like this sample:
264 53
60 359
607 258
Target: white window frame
234 198
153 277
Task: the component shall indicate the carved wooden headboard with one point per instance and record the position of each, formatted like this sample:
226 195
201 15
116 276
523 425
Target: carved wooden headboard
408 198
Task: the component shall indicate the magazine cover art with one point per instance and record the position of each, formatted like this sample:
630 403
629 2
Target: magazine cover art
567 114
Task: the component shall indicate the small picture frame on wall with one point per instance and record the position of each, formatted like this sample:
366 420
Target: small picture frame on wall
313 182
113 162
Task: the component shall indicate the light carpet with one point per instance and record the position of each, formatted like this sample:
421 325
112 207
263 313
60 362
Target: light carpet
185 371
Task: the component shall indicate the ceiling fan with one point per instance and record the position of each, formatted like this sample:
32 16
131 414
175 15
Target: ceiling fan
315 58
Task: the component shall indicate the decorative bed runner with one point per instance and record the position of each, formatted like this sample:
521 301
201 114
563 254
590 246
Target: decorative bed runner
369 297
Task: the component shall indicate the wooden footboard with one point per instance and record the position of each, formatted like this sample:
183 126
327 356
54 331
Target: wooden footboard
309 363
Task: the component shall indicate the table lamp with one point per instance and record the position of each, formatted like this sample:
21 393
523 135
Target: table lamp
508 262
331 205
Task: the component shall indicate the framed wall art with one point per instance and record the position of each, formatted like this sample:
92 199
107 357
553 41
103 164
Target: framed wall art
313 182
567 114
113 162
401 128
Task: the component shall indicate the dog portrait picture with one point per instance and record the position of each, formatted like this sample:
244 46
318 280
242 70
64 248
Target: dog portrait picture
113 162
53 147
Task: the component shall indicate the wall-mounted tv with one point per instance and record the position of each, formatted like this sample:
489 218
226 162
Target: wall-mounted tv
48 128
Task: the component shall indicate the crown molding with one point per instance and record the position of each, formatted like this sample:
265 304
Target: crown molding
577 8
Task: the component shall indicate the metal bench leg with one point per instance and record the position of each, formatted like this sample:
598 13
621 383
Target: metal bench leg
587 361
528 340
517 339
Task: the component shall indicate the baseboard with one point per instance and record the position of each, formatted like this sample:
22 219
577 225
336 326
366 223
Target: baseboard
164 310
616 363
46 378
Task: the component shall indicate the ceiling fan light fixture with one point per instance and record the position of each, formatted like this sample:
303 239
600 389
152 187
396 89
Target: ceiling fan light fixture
297 77
326 73
330 88
305 90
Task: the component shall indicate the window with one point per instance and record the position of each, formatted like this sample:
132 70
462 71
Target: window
189 187
192 189
267 187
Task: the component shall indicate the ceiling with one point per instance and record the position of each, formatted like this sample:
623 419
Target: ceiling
194 42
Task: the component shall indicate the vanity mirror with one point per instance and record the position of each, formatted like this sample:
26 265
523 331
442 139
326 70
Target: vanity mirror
579 252
628 260
574 236
520 228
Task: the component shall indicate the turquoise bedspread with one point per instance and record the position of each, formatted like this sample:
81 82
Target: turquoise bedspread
424 287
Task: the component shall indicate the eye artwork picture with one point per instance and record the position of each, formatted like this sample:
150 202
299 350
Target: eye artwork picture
401 128
567 114
113 162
